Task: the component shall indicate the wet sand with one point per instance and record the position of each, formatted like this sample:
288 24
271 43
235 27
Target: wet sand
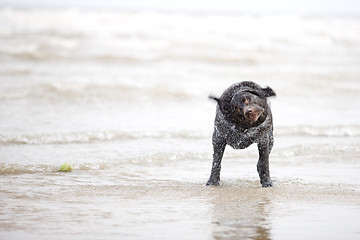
237 209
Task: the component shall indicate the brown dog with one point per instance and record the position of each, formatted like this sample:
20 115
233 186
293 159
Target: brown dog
243 117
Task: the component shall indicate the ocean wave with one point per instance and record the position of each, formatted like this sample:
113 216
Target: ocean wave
74 35
36 52
299 154
320 131
95 136
328 153
118 135
117 163
86 91
15 169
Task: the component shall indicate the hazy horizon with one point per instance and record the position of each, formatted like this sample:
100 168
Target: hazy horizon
257 6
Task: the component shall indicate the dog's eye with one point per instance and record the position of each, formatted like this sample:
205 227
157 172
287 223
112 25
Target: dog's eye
236 109
245 100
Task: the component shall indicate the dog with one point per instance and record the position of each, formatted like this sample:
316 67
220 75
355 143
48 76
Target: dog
243 117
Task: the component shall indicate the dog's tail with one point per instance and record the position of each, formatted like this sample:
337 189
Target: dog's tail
214 98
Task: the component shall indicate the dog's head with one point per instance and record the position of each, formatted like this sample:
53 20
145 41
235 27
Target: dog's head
246 107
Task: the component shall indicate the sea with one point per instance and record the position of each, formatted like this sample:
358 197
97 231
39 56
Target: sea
122 95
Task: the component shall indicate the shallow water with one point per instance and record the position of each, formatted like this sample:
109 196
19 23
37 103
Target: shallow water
123 97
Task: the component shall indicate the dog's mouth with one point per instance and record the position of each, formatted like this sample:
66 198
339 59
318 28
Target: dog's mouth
252 114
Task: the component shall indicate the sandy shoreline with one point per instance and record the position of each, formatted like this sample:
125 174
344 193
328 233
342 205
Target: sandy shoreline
162 195
237 209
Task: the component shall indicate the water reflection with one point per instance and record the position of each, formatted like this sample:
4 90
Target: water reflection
240 213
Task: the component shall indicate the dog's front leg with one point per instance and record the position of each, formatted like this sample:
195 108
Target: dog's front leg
263 163
219 145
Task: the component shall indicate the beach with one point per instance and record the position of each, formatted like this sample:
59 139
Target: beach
122 95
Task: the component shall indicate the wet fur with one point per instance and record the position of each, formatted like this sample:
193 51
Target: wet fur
243 117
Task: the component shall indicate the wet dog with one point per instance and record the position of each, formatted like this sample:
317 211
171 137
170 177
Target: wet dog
243 117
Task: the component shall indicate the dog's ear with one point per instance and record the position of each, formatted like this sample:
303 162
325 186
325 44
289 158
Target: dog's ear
225 107
268 92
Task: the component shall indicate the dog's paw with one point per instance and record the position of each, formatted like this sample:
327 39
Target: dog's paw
212 182
267 184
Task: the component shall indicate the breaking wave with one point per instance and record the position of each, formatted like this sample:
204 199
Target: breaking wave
96 91
75 35
320 131
118 135
94 136
118 163
6 168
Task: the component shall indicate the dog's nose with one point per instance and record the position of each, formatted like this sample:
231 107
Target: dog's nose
249 111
